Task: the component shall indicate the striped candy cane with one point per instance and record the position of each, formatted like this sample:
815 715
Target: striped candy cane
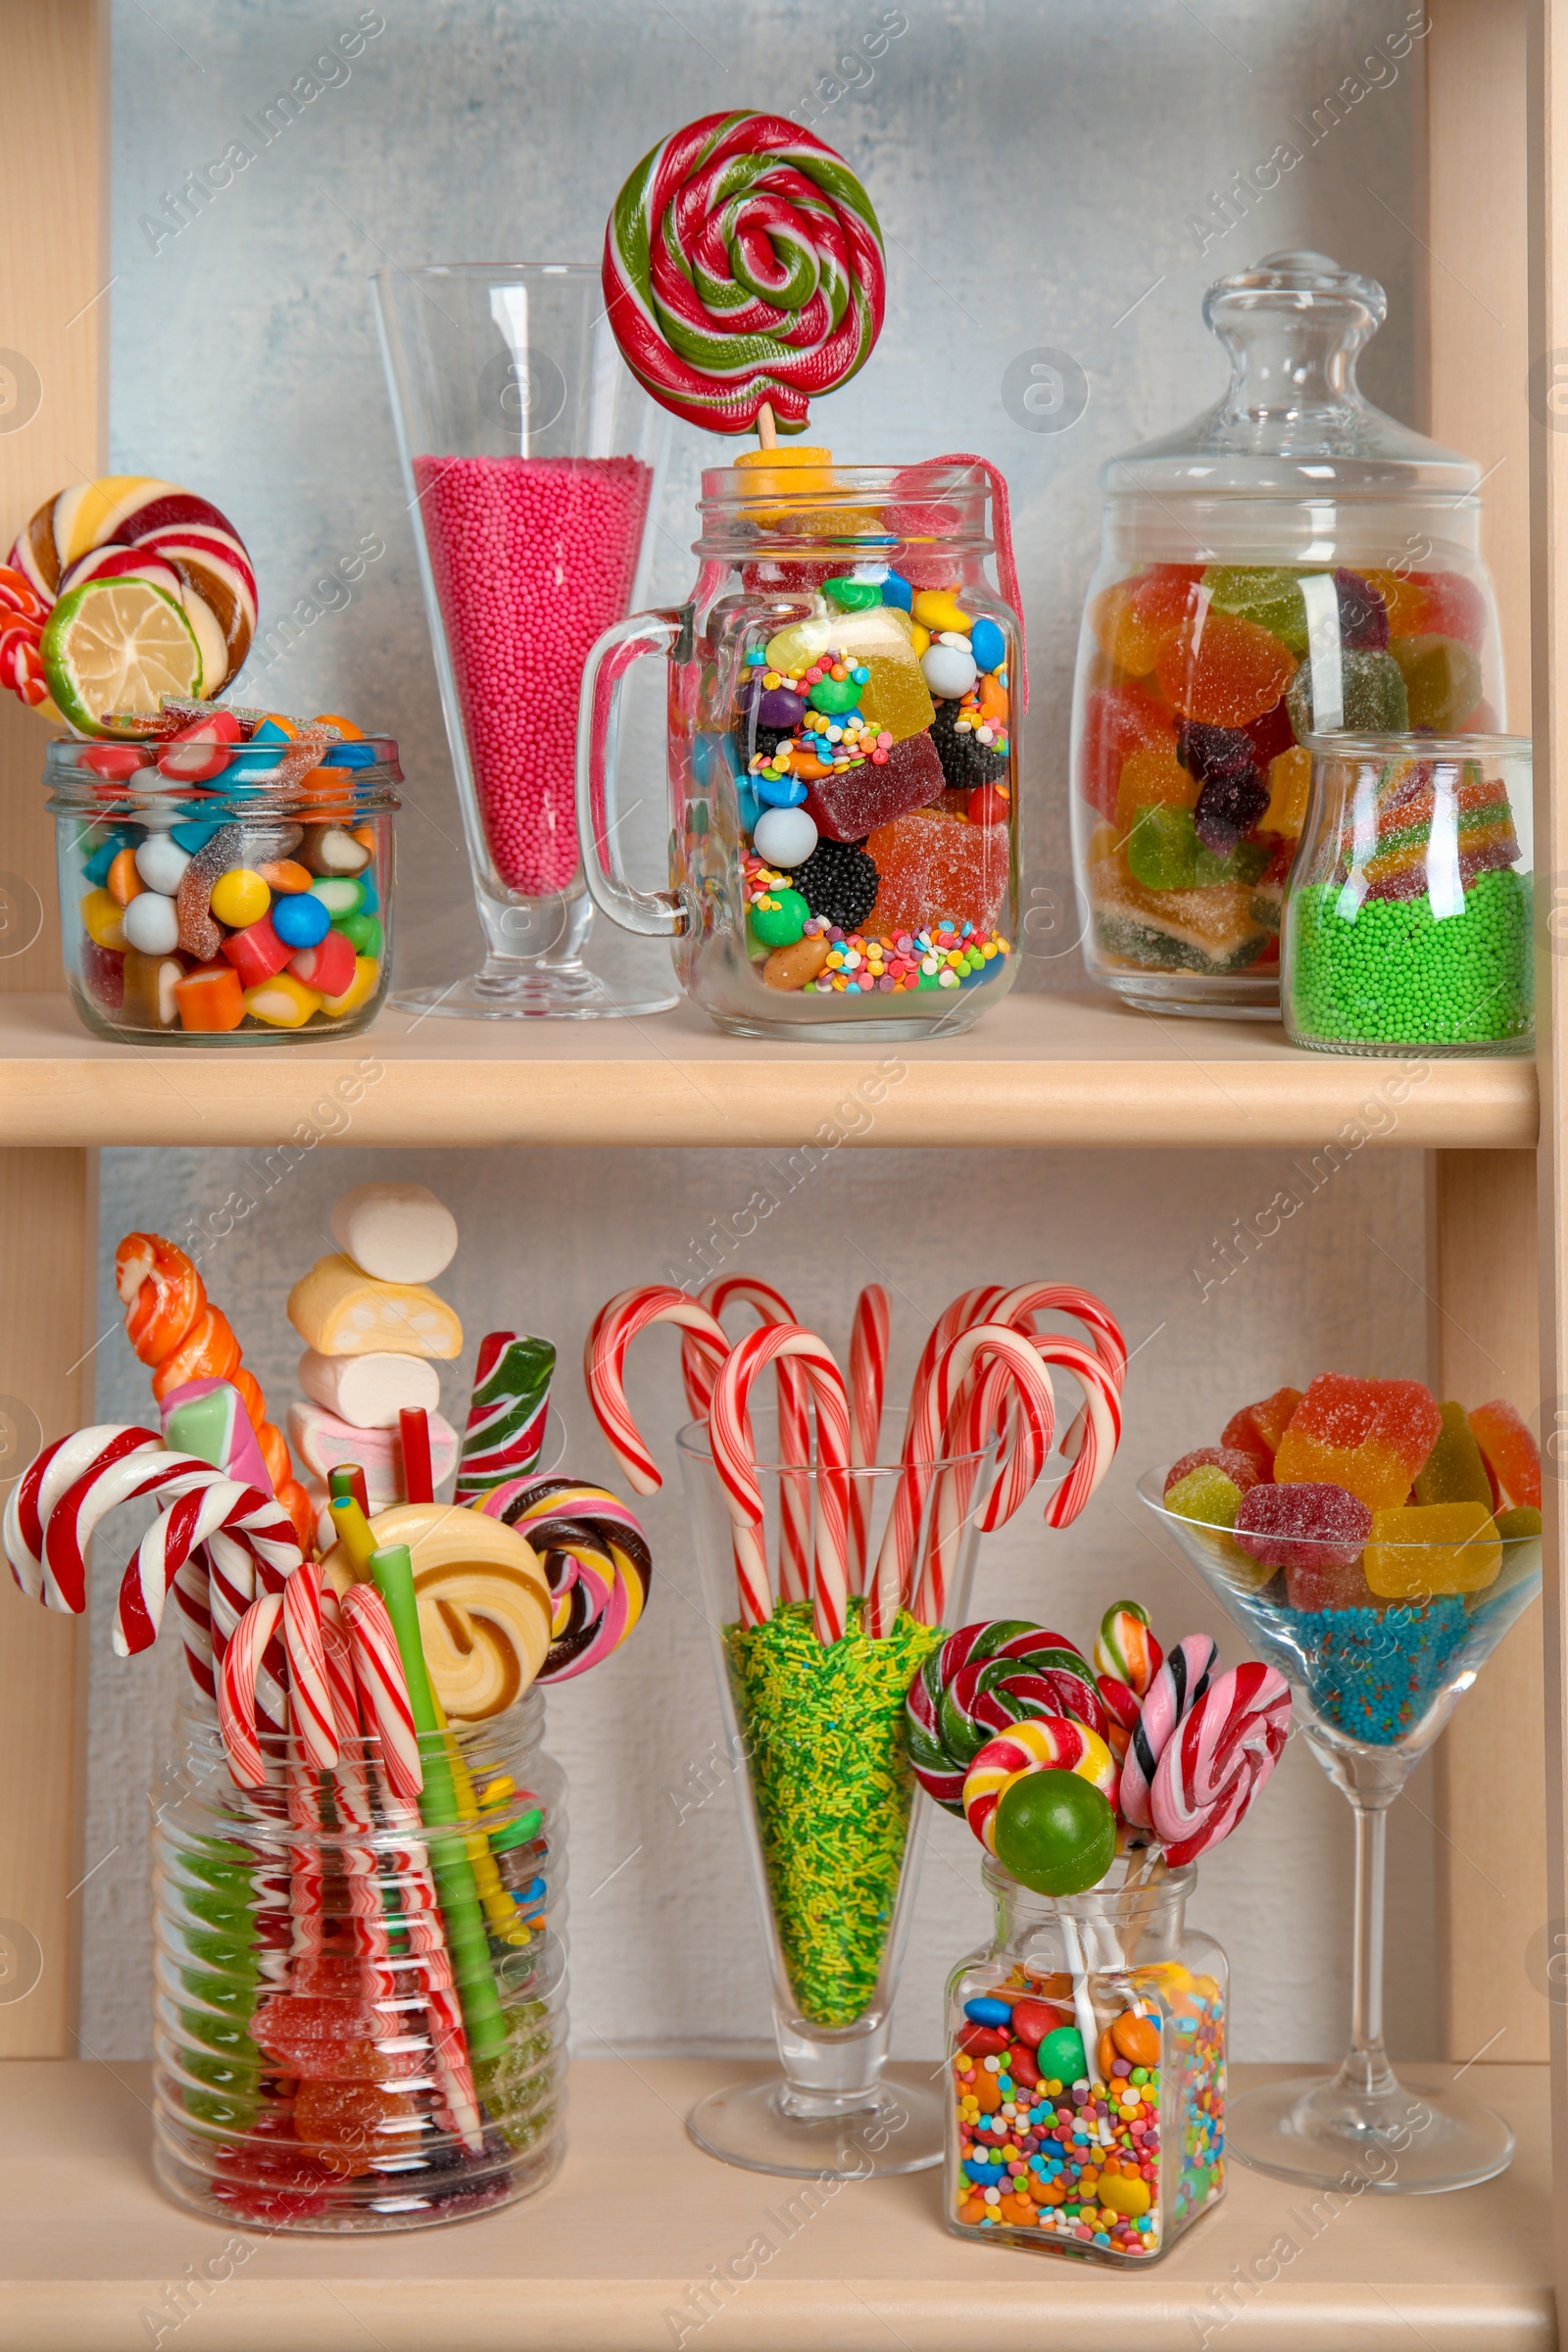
978 1375
730 1430
383 1689
869 1375
243 1701
313 1716
700 1370
1019 1307
614 1327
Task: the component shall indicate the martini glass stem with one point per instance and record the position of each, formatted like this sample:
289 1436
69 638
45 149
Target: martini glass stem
1366 2067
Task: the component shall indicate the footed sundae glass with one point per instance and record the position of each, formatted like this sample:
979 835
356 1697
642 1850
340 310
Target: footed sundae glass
1378 1646
532 460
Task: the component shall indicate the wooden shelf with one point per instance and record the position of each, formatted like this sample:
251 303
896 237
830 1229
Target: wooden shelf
1039 1070
637 2216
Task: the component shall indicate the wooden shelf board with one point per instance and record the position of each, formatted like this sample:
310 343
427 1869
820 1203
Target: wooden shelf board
1039 1070
638 2215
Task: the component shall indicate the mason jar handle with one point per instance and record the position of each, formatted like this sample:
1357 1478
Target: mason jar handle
655 913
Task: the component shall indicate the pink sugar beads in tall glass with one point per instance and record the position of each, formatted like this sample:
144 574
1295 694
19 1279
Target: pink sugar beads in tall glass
531 458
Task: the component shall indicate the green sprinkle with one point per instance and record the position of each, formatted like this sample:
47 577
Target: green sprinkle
832 1789
1397 975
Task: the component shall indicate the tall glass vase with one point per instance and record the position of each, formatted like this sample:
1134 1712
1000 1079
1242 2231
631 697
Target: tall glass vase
532 460
830 1815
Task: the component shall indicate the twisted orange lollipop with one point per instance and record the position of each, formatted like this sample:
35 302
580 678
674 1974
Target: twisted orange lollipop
174 1328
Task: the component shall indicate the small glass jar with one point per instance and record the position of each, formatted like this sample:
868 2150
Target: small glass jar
335 2052
1407 921
841 756
247 909
1290 562
1086 2070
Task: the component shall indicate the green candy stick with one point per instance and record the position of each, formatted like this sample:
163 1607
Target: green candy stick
392 1572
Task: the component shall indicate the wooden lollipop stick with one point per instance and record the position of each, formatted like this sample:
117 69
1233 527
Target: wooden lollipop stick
766 429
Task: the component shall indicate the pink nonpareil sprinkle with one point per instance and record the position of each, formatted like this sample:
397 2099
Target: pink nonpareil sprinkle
533 558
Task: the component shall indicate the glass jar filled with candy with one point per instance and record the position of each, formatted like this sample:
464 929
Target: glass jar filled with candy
227 879
1086 2068
841 751
347 2040
1292 561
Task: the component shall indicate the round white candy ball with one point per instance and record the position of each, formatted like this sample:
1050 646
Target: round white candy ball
152 923
162 862
948 672
784 837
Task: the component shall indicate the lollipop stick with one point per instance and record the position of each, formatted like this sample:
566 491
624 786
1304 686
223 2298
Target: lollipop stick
766 429
1083 2006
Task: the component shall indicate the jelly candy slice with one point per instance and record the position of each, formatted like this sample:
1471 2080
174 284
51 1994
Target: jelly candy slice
1509 1452
1259 593
1441 680
1326 1583
1164 852
896 696
1372 693
1433 1548
929 865
1223 670
1454 1471
1369 1435
1519 1524
1363 615
1149 778
1208 930
1271 734
849 803
1133 619
1118 719
1258 1427
1207 1495
1240 1467
1316 1525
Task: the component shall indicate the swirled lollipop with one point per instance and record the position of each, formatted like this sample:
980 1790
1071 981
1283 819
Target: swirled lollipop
596 1559
743 269
984 1679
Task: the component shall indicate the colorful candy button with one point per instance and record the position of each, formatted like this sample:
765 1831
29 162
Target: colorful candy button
240 896
301 920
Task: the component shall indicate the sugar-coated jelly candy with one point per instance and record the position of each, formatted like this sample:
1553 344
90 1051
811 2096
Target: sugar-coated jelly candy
1240 1468
849 803
1204 1494
1373 699
1258 1427
353 2125
1150 779
1441 680
929 865
1454 1471
1290 781
1163 853
1229 806
1431 1548
1223 670
1518 1525
1302 1526
1327 1581
1213 929
1271 734
895 697
1261 593
1509 1452
1369 1435
1132 619
1118 719
1209 752
1363 614
1451 606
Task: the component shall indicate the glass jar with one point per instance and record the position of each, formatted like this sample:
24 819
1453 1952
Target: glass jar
330 2053
246 908
1291 559
841 753
1407 921
1086 2068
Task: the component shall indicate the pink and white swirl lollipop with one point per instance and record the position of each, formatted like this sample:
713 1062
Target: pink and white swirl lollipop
1182 1681
613 1329
1227 1746
734 1458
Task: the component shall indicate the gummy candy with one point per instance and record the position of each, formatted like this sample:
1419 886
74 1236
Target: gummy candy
268 2176
1326 1583
1118 719
1454 1471
1200 930
1509 1452
896 696
1433 1548
931 864
1519 1524
1372 696
1363 615
1164 852
1370 1435
1228 806
1207 752
1271 598
1289 780
1309 1525
1451 607
1242 1469
1405 599
1441 680
319 2035
346 2124
1205 1494
1148 779
1271 734
1223 670
1134 619
847 804
1258 1427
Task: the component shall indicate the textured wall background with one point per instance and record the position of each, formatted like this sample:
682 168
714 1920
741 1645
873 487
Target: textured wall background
1038 172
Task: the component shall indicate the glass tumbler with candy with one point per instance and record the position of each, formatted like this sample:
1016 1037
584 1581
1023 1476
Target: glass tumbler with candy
827 1571
844 680
1374 1544
1292 561
533 462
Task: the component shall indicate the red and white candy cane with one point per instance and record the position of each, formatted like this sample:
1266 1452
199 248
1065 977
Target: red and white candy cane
700 1368
614 1327
730 1431
246 1707
312 1712
868 1379
383 1689
1020 1307
1224 1751
991 1382
209 1503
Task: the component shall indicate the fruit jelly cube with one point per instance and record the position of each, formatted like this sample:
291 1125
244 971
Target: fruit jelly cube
1133 619
1164 852
1372 695
1265 593
1454 1471
1223 670
1433 1548
1320 1525
1290 781
1509 1452
1240 1468
1517 1525
1258 1427
1205 1494
1370 1435
930 865
1272 734
851 802
1148 778
1452 604
896 696
1441 680
1327 1582
1118 719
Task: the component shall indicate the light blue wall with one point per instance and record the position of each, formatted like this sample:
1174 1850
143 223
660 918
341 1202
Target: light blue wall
1035 168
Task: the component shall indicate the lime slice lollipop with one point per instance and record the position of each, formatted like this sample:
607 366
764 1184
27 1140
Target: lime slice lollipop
117 645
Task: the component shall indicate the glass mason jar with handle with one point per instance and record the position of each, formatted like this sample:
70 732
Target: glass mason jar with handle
1293 561
842 750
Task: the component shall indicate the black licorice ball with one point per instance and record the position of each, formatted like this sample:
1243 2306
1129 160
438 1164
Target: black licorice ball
1054 1832
966 762
759 739
839 881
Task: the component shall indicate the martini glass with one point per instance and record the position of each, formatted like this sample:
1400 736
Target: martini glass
1374 1683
